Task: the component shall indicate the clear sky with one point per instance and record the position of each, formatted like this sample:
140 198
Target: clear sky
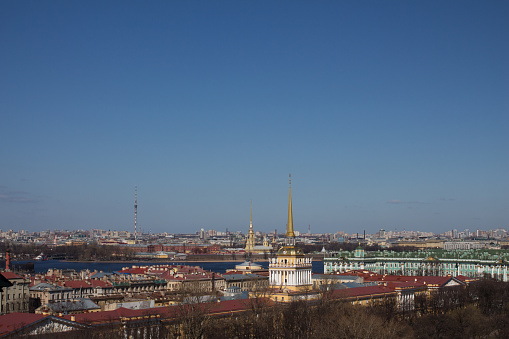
388 114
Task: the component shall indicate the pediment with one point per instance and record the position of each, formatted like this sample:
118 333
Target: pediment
47 325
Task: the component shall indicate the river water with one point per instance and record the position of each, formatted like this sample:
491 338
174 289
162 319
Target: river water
216 266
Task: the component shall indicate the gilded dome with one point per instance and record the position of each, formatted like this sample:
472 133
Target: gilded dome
290 250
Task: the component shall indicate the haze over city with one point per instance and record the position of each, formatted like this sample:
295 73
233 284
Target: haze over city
387 115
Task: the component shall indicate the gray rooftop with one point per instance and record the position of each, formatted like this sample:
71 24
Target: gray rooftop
46 286
73 305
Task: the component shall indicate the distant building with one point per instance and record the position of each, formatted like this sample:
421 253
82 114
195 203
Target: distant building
470 263
250 242
334 281
44 293
251 247
465 245
248 267
74 306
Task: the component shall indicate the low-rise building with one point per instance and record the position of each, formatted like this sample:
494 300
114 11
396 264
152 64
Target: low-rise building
14 298
44 293
73 306
333 281
247 282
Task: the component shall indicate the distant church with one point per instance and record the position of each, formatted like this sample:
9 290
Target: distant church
251 247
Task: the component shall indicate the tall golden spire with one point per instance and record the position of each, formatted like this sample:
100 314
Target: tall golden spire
289 227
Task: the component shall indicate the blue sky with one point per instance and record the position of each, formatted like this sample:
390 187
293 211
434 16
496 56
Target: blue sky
388 114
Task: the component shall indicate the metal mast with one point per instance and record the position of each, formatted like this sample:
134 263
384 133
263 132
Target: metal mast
135 210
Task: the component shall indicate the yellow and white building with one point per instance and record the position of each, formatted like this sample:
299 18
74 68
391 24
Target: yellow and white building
291 269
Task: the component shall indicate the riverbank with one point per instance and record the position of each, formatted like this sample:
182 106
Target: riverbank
196 258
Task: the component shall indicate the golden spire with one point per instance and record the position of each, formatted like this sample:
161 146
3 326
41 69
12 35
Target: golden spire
289 227
251 216
250 242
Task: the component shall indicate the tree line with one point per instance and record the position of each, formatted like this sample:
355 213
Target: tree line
83 252
477 310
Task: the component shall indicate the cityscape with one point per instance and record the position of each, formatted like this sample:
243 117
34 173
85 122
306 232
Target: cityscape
234 241
269 169
404 273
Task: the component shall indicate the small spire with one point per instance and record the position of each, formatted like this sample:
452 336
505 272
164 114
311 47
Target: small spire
251 216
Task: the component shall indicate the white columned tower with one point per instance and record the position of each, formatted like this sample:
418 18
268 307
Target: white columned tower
291 269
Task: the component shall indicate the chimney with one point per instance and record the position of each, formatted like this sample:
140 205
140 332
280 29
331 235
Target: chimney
7 261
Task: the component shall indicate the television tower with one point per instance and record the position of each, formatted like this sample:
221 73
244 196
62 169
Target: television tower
135 210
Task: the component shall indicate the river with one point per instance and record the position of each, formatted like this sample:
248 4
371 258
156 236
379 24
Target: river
216 266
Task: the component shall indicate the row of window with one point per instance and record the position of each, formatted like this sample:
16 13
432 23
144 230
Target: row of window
13 307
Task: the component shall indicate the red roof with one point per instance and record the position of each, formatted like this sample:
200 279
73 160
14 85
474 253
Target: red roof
102 317
10 275
135 270
77 284
427 280
464 279
359 292
367 275
99 283
404 284
166 275
432 280
233 272
13 321
213 308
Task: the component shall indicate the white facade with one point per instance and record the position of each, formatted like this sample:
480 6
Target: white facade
291 268
290 271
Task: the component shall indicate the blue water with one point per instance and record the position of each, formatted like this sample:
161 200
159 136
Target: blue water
219 266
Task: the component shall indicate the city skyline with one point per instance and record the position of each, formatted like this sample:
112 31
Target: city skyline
387 115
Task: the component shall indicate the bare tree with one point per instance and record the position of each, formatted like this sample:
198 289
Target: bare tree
192 313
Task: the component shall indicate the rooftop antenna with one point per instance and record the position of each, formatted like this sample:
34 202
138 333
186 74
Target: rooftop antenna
135 210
